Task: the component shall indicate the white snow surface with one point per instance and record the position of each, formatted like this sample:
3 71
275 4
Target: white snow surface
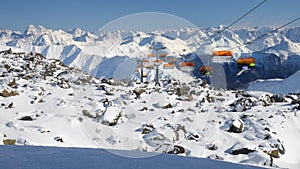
278 86
66 109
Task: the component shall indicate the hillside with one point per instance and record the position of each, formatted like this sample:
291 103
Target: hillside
278 86
46 103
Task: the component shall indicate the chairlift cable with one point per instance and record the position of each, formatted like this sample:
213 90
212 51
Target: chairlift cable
240 18
266 34
237 20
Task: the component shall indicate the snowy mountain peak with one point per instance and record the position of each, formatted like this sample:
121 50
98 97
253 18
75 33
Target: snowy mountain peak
77 32
35 31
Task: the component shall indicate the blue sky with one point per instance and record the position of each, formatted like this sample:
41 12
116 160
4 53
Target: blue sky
94 14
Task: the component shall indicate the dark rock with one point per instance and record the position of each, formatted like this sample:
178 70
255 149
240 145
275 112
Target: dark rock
182 91
7 67
64 84
87 113
295 102
273 153
144 108
242 93
26 118
109 94
147 128
242 104
104 80
13 84
242 151
177 150
267 136
138 91
102 87
10 105
212 147
215 157
237 126
168 106
193 136
277 98
58 139
27 76
9 141
6 93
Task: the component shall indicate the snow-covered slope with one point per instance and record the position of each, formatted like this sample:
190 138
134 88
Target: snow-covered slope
45 103
278 86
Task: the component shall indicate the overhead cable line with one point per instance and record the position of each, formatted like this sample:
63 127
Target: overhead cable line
235 21
268 33
240 18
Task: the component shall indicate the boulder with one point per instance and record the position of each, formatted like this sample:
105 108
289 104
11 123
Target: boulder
277 98
273 153
215 157
26 118
243 104
167 106
237 126
138 91
6 93
88 114
242 151
111 116
182 91
12 84
9 141
147 128
64 84
212 147
193 136
177 150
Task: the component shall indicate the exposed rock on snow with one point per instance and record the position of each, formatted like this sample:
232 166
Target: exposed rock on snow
242 151
26 118
6 93
9 141
237 126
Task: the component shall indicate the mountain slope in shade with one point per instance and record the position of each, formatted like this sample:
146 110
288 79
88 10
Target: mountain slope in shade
278 86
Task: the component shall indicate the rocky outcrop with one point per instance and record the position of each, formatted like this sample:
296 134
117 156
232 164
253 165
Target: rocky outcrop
7 93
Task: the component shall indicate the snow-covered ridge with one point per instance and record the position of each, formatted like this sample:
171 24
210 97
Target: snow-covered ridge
92 52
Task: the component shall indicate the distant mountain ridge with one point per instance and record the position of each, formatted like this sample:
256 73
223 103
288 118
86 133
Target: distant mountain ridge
86 50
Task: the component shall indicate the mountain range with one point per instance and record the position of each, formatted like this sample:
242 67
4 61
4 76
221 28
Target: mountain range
277 53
